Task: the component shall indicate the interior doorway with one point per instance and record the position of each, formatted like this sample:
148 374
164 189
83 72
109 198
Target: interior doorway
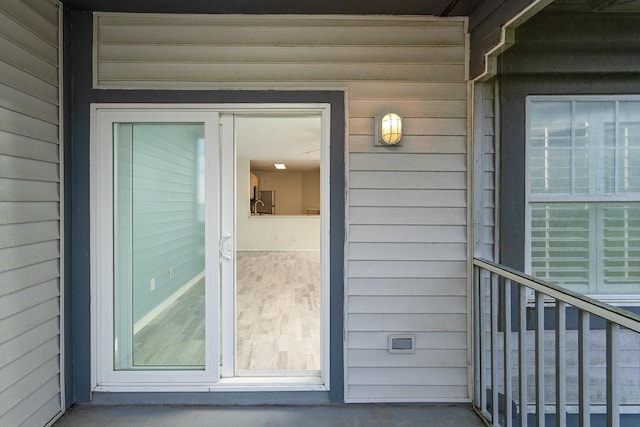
278 245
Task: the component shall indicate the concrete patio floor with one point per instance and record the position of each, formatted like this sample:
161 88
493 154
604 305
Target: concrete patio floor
360 415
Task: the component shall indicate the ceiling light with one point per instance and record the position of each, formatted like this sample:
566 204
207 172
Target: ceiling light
280 166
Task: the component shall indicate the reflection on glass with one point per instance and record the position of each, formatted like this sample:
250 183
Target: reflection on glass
158 246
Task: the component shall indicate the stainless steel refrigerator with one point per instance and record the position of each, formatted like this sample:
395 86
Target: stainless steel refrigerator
268 197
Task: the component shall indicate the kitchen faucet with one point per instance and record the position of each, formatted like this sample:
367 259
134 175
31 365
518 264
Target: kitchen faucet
255 206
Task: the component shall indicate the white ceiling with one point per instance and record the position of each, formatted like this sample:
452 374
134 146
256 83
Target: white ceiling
292 140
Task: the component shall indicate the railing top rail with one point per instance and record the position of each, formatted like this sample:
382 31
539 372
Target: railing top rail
608 312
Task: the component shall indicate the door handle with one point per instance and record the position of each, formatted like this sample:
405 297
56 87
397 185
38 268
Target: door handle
226 247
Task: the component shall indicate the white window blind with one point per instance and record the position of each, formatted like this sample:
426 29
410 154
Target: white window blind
583 193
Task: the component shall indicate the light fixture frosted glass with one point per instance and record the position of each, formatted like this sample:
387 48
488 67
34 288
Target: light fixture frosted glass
280 166
389 129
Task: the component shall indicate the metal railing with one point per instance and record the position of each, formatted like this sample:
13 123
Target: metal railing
538 353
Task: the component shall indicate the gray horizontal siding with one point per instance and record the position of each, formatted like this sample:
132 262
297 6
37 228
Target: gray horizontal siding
30 383
408 203
485 171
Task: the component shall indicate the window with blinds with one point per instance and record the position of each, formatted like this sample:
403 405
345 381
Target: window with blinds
583 193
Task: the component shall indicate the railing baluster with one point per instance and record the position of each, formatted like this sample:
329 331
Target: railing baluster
506 315
540 411
494 350
483 342
613 404
490 277
584 398
522 355
561 379
477 316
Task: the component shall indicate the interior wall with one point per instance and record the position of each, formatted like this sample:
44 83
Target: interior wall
310 191
273 233
160 233
288 190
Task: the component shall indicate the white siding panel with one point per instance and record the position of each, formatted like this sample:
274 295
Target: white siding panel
407 251
11 121
18 301
27 212
426 127
408 180
283 54
26 39
410 198
18 79
28 62
411 144
382 358
46 9
20 278
408 162
30 380
407 286
408 322
28 17
436 376
485 175
214 72
29 148
408 90
424 340
407 304
12 372
285 32
21 102
28 409
42 415
407 216
407 269
13 190
439 108
13 326
13 167
407 393
406 205
32 339
408 233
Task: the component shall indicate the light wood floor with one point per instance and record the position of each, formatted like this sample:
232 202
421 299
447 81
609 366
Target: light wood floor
176 336
277 322
278 310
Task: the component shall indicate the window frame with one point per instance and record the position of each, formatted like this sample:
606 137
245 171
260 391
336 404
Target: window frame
531 199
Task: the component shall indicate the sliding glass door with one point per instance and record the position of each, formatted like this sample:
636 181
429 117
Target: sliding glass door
158 199
158 245
168 197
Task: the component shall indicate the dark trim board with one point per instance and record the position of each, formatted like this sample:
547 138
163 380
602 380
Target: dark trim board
77 219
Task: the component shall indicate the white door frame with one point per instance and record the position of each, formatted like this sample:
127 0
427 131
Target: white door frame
103 376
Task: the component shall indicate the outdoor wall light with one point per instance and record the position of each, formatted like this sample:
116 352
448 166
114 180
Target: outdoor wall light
388 129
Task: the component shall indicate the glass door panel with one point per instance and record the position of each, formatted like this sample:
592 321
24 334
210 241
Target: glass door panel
159 246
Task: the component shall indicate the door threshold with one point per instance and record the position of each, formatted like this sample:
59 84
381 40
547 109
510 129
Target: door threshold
264 383
271 373
244 384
